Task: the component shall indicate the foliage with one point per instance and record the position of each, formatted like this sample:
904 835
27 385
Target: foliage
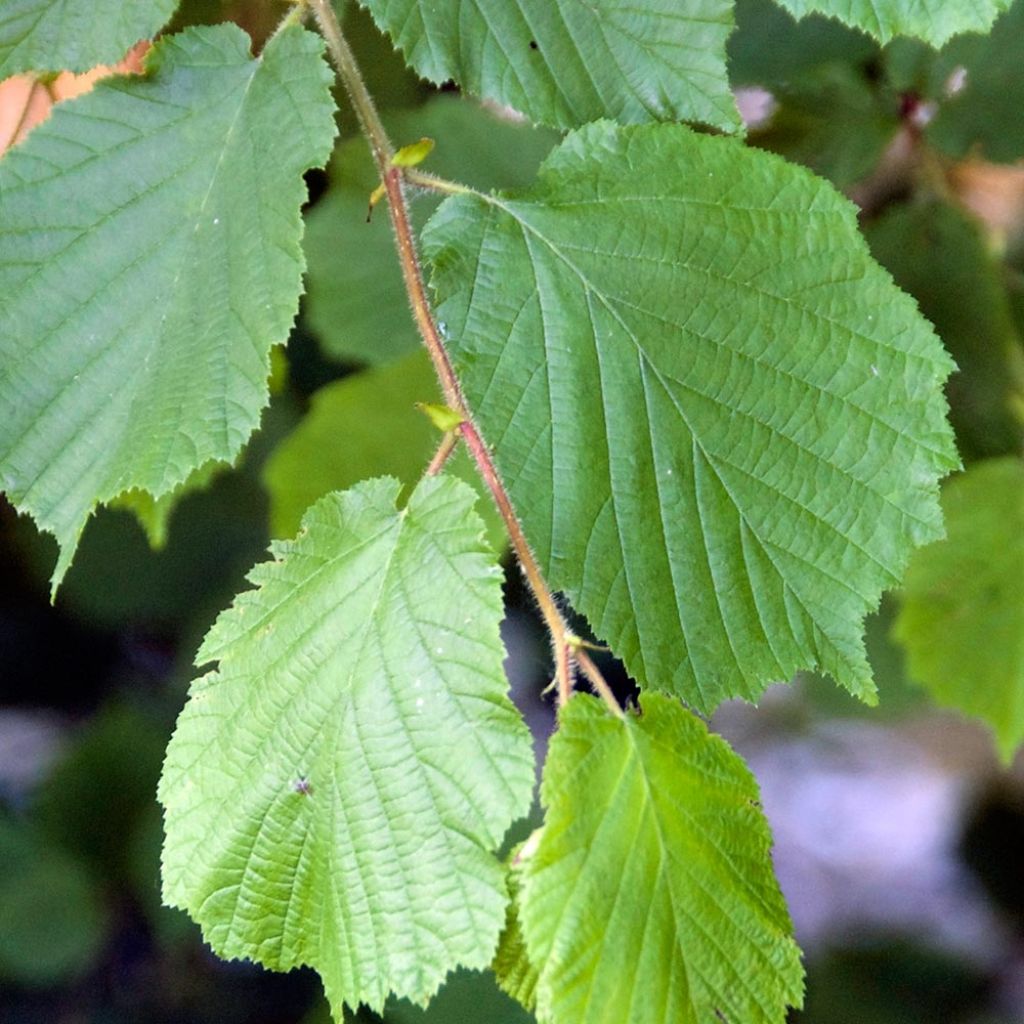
636 378
147 359
74 35
710 427
565 63
357 307
934 21
963 608
368 692
51 921
654 833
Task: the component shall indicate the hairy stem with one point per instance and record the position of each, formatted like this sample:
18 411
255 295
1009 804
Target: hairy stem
597 680
444 452
393 180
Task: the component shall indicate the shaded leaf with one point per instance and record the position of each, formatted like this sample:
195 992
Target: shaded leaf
833 120
984 115
962 618
466 996
938 253
564 63
934 21
721 423
651 895
334 790
154 514
74 35
769 48
52 924
139 296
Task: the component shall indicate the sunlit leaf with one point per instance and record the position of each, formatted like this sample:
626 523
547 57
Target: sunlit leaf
335 787
651 896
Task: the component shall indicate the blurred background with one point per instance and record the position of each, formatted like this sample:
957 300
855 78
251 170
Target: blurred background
899 831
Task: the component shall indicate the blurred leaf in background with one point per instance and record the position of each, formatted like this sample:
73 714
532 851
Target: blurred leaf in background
962 619
939 254
52 920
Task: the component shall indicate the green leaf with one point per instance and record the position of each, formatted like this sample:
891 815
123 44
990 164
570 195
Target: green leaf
939 254
564 63
154 514
74 35
516 974
356 302
833 120
984 116
962 618
140 293
934 21
366 424
467 997
769 48
651 896
334 790
119 752
720 422
52 923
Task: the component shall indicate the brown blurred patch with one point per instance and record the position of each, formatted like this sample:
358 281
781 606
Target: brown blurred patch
26 100
994 193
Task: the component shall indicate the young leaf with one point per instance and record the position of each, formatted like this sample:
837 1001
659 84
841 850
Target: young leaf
934 21
564 63
74 35
335 788
651 896
150 260
721 423
962 619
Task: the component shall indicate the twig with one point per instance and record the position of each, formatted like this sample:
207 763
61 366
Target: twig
393 180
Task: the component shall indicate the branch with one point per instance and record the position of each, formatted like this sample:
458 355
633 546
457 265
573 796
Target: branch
393 182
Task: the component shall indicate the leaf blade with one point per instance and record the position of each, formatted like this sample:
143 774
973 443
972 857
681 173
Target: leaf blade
962 615
689 391
356 302
136 321
313 835
75 35
934 21
564 63
654 843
